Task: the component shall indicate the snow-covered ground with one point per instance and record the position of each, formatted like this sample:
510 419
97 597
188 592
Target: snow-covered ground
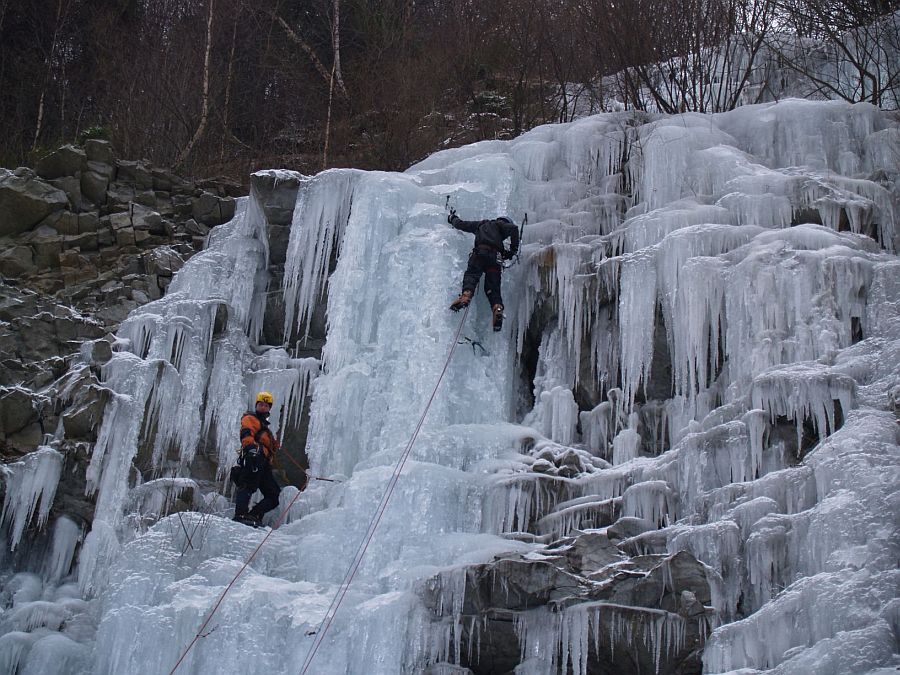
756 248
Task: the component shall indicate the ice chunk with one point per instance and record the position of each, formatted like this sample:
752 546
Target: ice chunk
652 500
627 443
55 654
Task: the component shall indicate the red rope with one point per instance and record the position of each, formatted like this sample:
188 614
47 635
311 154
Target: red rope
231 583
373 525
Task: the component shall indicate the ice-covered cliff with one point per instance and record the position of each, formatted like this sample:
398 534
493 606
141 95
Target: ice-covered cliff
682 447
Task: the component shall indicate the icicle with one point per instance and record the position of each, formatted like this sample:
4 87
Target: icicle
66 536
323 206
30 488
596 429
804 392
637 314
651 500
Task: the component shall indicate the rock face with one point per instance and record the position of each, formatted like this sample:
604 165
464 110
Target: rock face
81 219
84 238
581 578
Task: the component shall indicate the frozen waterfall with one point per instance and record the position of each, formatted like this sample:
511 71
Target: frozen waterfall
701 355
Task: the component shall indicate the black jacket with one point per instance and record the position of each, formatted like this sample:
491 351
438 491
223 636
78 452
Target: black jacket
490 233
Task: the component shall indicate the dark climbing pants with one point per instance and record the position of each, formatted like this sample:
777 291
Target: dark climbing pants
484 262
261 479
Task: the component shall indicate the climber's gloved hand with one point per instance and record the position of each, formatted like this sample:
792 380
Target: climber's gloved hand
452 215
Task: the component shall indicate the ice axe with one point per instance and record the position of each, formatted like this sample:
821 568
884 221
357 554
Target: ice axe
327 480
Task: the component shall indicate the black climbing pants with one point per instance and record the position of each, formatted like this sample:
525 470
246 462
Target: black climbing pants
484 261
256 475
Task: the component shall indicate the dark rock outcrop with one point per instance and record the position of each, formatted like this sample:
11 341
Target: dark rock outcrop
25 201
586 577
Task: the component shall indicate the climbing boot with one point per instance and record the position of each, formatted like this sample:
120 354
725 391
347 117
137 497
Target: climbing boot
462 301
497 311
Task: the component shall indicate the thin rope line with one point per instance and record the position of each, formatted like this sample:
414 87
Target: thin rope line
373 524
231 583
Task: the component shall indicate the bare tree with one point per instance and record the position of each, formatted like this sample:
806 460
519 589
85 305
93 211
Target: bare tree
204 98
847 49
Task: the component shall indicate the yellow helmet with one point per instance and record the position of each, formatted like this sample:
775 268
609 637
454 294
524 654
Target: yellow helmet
264 397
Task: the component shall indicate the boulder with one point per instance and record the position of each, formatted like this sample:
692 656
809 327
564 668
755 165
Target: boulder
194 228
627 527
165 228
64 222
163 261
118 221
117 193
164 180
212 210
86 241
73 276
16 261
98 150
125 237
71 185
16 409
82 420
544 466
222 187
26 201
47 245
591 552
276 191
143 218
67 160
96 352
182 206
105 237
88 222
70 259
146 198
95 181
135 174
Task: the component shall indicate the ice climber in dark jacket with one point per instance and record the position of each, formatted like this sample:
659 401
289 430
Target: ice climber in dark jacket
486 259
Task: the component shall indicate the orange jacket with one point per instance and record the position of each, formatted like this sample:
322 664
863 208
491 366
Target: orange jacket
256 432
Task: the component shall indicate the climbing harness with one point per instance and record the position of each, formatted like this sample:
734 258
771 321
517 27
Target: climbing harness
379 512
